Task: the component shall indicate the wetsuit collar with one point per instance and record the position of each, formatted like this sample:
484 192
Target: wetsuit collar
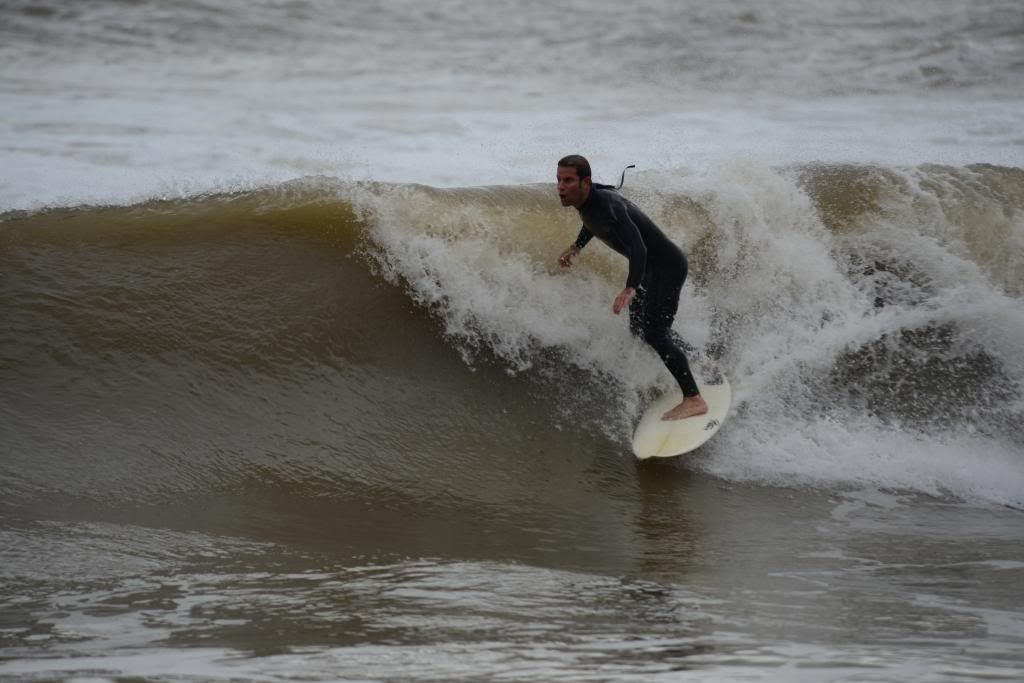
590 195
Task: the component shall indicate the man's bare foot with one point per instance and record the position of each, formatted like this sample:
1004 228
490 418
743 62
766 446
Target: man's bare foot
690 407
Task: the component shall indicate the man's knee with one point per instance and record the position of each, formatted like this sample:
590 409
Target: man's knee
657 337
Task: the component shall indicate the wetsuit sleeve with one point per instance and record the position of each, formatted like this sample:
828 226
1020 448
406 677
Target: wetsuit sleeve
636 250
582 239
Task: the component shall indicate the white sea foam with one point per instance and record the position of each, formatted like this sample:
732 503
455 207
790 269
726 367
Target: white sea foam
780 299
107 102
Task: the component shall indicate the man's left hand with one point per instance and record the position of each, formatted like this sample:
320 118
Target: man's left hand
622 300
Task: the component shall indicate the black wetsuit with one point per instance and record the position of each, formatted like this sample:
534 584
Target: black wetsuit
657 271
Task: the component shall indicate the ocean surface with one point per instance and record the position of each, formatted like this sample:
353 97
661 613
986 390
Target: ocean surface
292 387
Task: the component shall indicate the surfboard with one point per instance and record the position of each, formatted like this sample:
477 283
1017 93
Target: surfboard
657 438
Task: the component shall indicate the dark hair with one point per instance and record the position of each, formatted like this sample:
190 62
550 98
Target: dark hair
578 162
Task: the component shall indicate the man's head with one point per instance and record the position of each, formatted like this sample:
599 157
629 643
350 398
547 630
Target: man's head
573 180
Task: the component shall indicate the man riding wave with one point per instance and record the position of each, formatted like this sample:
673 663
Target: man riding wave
657 270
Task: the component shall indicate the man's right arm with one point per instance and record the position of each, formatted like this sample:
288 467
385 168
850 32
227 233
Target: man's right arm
582 239
566 257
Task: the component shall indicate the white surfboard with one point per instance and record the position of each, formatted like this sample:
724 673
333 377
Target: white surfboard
657 438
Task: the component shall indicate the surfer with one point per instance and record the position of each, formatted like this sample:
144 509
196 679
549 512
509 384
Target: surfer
657 269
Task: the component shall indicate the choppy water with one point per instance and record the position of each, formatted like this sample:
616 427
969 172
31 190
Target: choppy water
107 101
291 387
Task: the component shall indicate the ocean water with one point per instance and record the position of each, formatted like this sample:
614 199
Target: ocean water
292 388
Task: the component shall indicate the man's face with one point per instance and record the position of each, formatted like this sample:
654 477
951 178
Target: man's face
571 190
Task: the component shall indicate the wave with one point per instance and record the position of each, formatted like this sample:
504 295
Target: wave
317 330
